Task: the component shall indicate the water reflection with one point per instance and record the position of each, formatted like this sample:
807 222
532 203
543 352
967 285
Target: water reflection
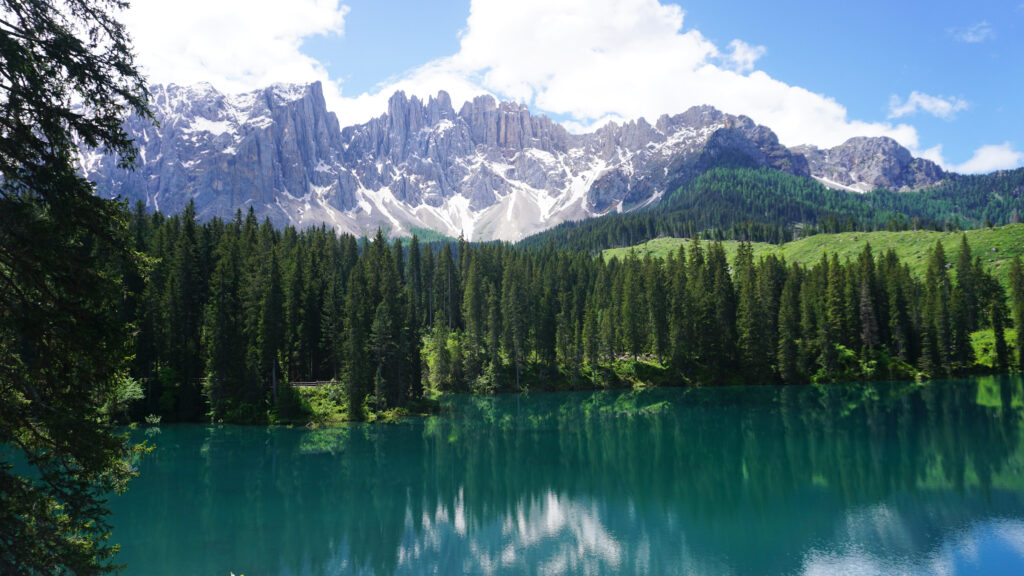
874 478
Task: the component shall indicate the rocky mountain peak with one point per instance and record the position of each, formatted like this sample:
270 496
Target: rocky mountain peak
867 163
490 170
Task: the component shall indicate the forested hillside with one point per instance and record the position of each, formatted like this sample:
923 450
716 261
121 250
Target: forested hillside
233 311
771 206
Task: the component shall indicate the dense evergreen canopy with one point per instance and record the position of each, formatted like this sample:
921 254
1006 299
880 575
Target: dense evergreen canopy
234 309
67 77
771 206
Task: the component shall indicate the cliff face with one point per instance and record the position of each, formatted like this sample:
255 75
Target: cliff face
488 171
230 152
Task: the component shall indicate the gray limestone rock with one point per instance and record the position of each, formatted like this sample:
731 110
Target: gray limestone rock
489 170
868 163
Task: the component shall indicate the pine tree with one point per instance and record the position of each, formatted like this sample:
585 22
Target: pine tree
634 308
294 300
789 326
961 354
69 78
681 316
271 325
359 367
900 327
186 315
222 333
410 375
591 337
869 330
494 326
810 317
749 326
382 349
446 288
721 303
657 307
935 353
967 283
473 302
439 361
414 274
1017 306
514 323
998 318
831 328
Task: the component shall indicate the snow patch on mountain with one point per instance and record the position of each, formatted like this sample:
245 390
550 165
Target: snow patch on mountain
487 170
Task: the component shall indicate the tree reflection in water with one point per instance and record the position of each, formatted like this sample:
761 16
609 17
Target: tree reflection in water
878 478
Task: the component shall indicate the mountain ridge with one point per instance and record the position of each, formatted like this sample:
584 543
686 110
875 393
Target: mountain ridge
491 170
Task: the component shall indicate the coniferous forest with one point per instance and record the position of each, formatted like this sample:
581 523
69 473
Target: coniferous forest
231 314
771 206
111 315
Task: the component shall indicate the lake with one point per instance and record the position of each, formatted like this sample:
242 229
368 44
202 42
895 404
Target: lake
893 478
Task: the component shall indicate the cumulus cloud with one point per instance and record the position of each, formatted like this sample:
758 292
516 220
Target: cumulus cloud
742 56
586 61
992 157
975 34
237 45
934 154
987 158
938 106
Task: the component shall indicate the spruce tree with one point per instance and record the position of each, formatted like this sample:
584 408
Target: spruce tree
222 332
272 324
187 315
869 329
810 315
721 302
591 337
681 316
658 308
830 332
513 305
494 326
749 319
358 364
787 357
634 308
1016 281
69 79
967 282
935 353
473 302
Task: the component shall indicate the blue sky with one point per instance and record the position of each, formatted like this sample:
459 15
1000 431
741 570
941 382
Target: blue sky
943 78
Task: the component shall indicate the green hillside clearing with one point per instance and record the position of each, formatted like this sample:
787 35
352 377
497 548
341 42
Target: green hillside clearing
995 246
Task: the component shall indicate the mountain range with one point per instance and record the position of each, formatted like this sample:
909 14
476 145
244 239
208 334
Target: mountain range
489 170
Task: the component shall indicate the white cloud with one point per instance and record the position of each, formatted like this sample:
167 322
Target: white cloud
987 158
589 60
237 45
992 157
423 82
586 62
934 154
974 34
742 56
938 106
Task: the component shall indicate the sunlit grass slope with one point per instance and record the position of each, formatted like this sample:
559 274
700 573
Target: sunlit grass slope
995 246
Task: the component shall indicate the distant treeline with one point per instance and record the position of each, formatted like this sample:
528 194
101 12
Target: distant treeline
765 205
229 309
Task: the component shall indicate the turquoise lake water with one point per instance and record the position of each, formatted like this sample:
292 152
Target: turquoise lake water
896 478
